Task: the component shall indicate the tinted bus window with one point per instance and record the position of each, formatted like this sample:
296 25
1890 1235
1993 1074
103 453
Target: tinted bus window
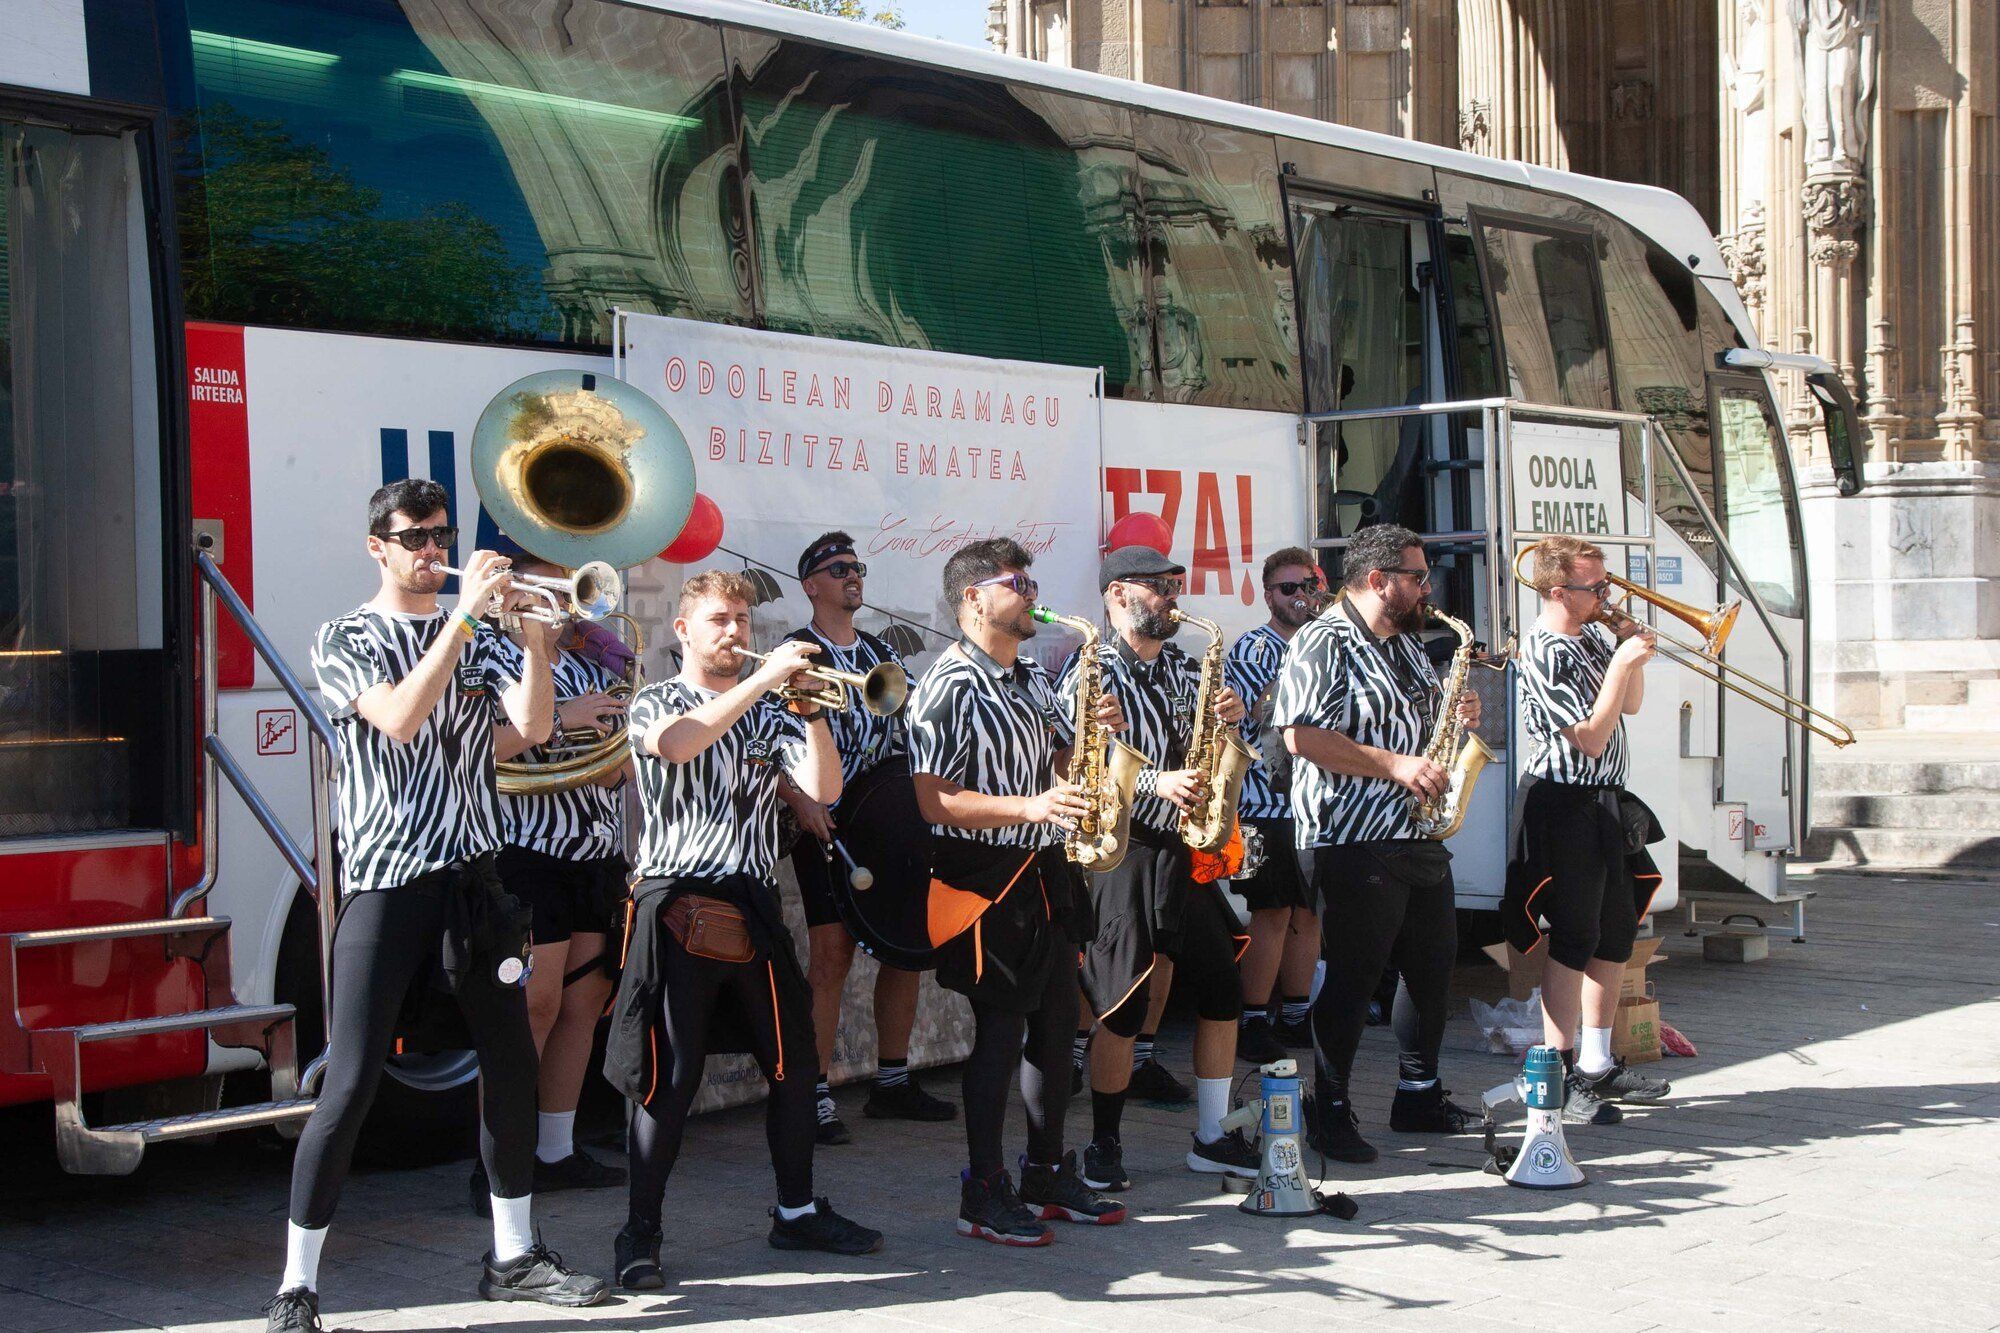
1544 285
381 168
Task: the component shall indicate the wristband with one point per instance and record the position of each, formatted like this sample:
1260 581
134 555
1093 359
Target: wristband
468 624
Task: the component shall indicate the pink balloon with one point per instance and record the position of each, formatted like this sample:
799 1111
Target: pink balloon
1140 529
701 535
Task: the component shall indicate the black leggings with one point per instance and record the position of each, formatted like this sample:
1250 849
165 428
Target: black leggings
1374 920
1587 896
780 1030
997 1051
384 940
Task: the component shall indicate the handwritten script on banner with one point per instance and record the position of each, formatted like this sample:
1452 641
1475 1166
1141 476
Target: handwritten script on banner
915 453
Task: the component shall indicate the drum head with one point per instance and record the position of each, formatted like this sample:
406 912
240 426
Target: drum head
883 830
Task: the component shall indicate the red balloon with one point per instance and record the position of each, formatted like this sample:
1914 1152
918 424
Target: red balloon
701 535
1140 529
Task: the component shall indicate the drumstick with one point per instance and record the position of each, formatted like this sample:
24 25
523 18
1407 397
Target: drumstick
861 878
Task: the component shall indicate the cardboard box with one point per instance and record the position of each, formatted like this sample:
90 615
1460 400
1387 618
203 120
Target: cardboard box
1634 985
1524 970
1635 1035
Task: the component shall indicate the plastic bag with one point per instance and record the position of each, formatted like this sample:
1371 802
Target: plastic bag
1509 1027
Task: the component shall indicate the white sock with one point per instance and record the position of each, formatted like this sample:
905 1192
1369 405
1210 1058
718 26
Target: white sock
1211 1103
513 1236
555 1135
302 1247
1594 1056
794 1214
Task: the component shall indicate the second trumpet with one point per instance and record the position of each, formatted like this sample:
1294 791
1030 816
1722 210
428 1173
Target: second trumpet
883 688
589 594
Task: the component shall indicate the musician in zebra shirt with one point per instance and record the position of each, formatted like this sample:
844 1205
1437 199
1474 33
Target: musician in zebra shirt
987 741
832 577
1148 906
709 966
1578 684
1357 701
417 697
1284 921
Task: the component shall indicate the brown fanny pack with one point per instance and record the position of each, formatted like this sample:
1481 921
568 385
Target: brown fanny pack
710 928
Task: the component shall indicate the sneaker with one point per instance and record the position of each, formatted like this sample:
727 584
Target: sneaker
823 1229
1104 1165
539 1275
1257 1043
1619 1084
990 1210
831 1132
294 1311
1152 1083
576 1172
635 1262
1298 1036
1230 1155
479 1190
1058 1194
1429 1111
1582 1106
907 1101
1336 1133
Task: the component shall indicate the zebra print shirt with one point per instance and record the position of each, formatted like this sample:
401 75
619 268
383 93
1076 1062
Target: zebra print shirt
991 730
582 823
1158 700
1251 668
1560 679
716 814
409 809
863 739
1377 692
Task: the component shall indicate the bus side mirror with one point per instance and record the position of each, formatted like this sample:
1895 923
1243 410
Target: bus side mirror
1843 429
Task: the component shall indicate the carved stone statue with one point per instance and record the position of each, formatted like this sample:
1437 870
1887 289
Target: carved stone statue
1836 44
1743 77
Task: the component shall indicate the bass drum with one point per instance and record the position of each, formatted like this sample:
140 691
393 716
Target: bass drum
885 832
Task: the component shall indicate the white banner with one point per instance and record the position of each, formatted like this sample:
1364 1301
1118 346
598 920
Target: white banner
1567 479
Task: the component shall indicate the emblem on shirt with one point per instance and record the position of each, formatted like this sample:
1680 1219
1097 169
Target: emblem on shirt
470 678
758 751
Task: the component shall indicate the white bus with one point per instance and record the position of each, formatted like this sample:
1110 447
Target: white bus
261 255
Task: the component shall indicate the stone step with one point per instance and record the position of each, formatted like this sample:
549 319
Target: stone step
1879 777
1965 717
1969 813
1983 694
1892 847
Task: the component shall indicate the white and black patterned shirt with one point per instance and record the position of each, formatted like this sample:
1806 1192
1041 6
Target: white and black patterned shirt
1561 675
863 739
1251 668
582 823
1378 692
716 814
409 809
1158 699
990 729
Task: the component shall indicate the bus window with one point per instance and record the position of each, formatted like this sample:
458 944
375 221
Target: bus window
1755 489
85 707
1472 322
1544 285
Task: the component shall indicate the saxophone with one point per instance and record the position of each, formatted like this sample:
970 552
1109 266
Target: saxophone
1102 765
1214 749
1451 745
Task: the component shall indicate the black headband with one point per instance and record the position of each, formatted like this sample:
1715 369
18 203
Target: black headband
816 555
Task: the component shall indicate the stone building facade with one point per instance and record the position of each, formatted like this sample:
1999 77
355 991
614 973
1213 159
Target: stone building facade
1846 154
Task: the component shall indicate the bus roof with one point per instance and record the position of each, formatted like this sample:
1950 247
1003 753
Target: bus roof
1665 217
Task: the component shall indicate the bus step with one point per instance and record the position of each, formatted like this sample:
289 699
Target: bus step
178 929
203 1123
227 1016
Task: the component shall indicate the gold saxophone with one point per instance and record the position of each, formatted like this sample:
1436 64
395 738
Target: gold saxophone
1451 745
1214 750
1102 765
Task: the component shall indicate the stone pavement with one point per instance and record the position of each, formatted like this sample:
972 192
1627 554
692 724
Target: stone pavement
1828 1161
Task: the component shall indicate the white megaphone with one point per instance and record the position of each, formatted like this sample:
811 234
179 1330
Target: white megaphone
1542 1162
1282 1188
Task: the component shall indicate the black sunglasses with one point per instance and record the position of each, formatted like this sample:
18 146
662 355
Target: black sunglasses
1293 587
1162 586
843 569
413 539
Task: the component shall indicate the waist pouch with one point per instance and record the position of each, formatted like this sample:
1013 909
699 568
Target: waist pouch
710 928
1418 863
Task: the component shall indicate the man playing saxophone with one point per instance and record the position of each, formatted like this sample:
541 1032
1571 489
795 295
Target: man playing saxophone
1148 905
1357 701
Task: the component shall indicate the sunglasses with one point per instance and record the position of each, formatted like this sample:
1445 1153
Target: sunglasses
843 569
1422 576
414 539
1600 590
1164 587
1293 587
1020 583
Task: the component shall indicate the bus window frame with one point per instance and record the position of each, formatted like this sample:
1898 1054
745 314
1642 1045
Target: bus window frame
1479 217
1756 385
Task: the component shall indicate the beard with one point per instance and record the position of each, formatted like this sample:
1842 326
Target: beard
418 579
1151 623
1411 618
720 661
1294 612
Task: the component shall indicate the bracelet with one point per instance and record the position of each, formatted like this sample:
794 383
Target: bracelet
468 624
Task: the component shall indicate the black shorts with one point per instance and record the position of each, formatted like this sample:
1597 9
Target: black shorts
1277 883
812 866
567 897
1586 890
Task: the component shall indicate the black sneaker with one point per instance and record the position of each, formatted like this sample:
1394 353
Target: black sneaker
1104 1165
1335 1133
1230 1155
1582 1106
294 1311
1298 1036
1059 1195
990 1210
1152 1083
823 1229
1429 1111
479 1190
576 1172
539 1275
831 1132
1619 1084
1257 1043
907 1101
635 1261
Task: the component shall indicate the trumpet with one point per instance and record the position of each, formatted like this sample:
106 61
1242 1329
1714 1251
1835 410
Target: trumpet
883 688
591 593
1705 658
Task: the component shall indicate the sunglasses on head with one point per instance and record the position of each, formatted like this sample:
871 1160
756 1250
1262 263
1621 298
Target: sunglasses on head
1293 587
843 569
413 539
1020 583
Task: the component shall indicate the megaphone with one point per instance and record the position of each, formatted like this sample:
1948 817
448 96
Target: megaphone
1542 1162
1282 1188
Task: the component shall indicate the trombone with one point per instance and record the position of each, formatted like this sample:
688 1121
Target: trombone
1705 658
883 688
591 593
